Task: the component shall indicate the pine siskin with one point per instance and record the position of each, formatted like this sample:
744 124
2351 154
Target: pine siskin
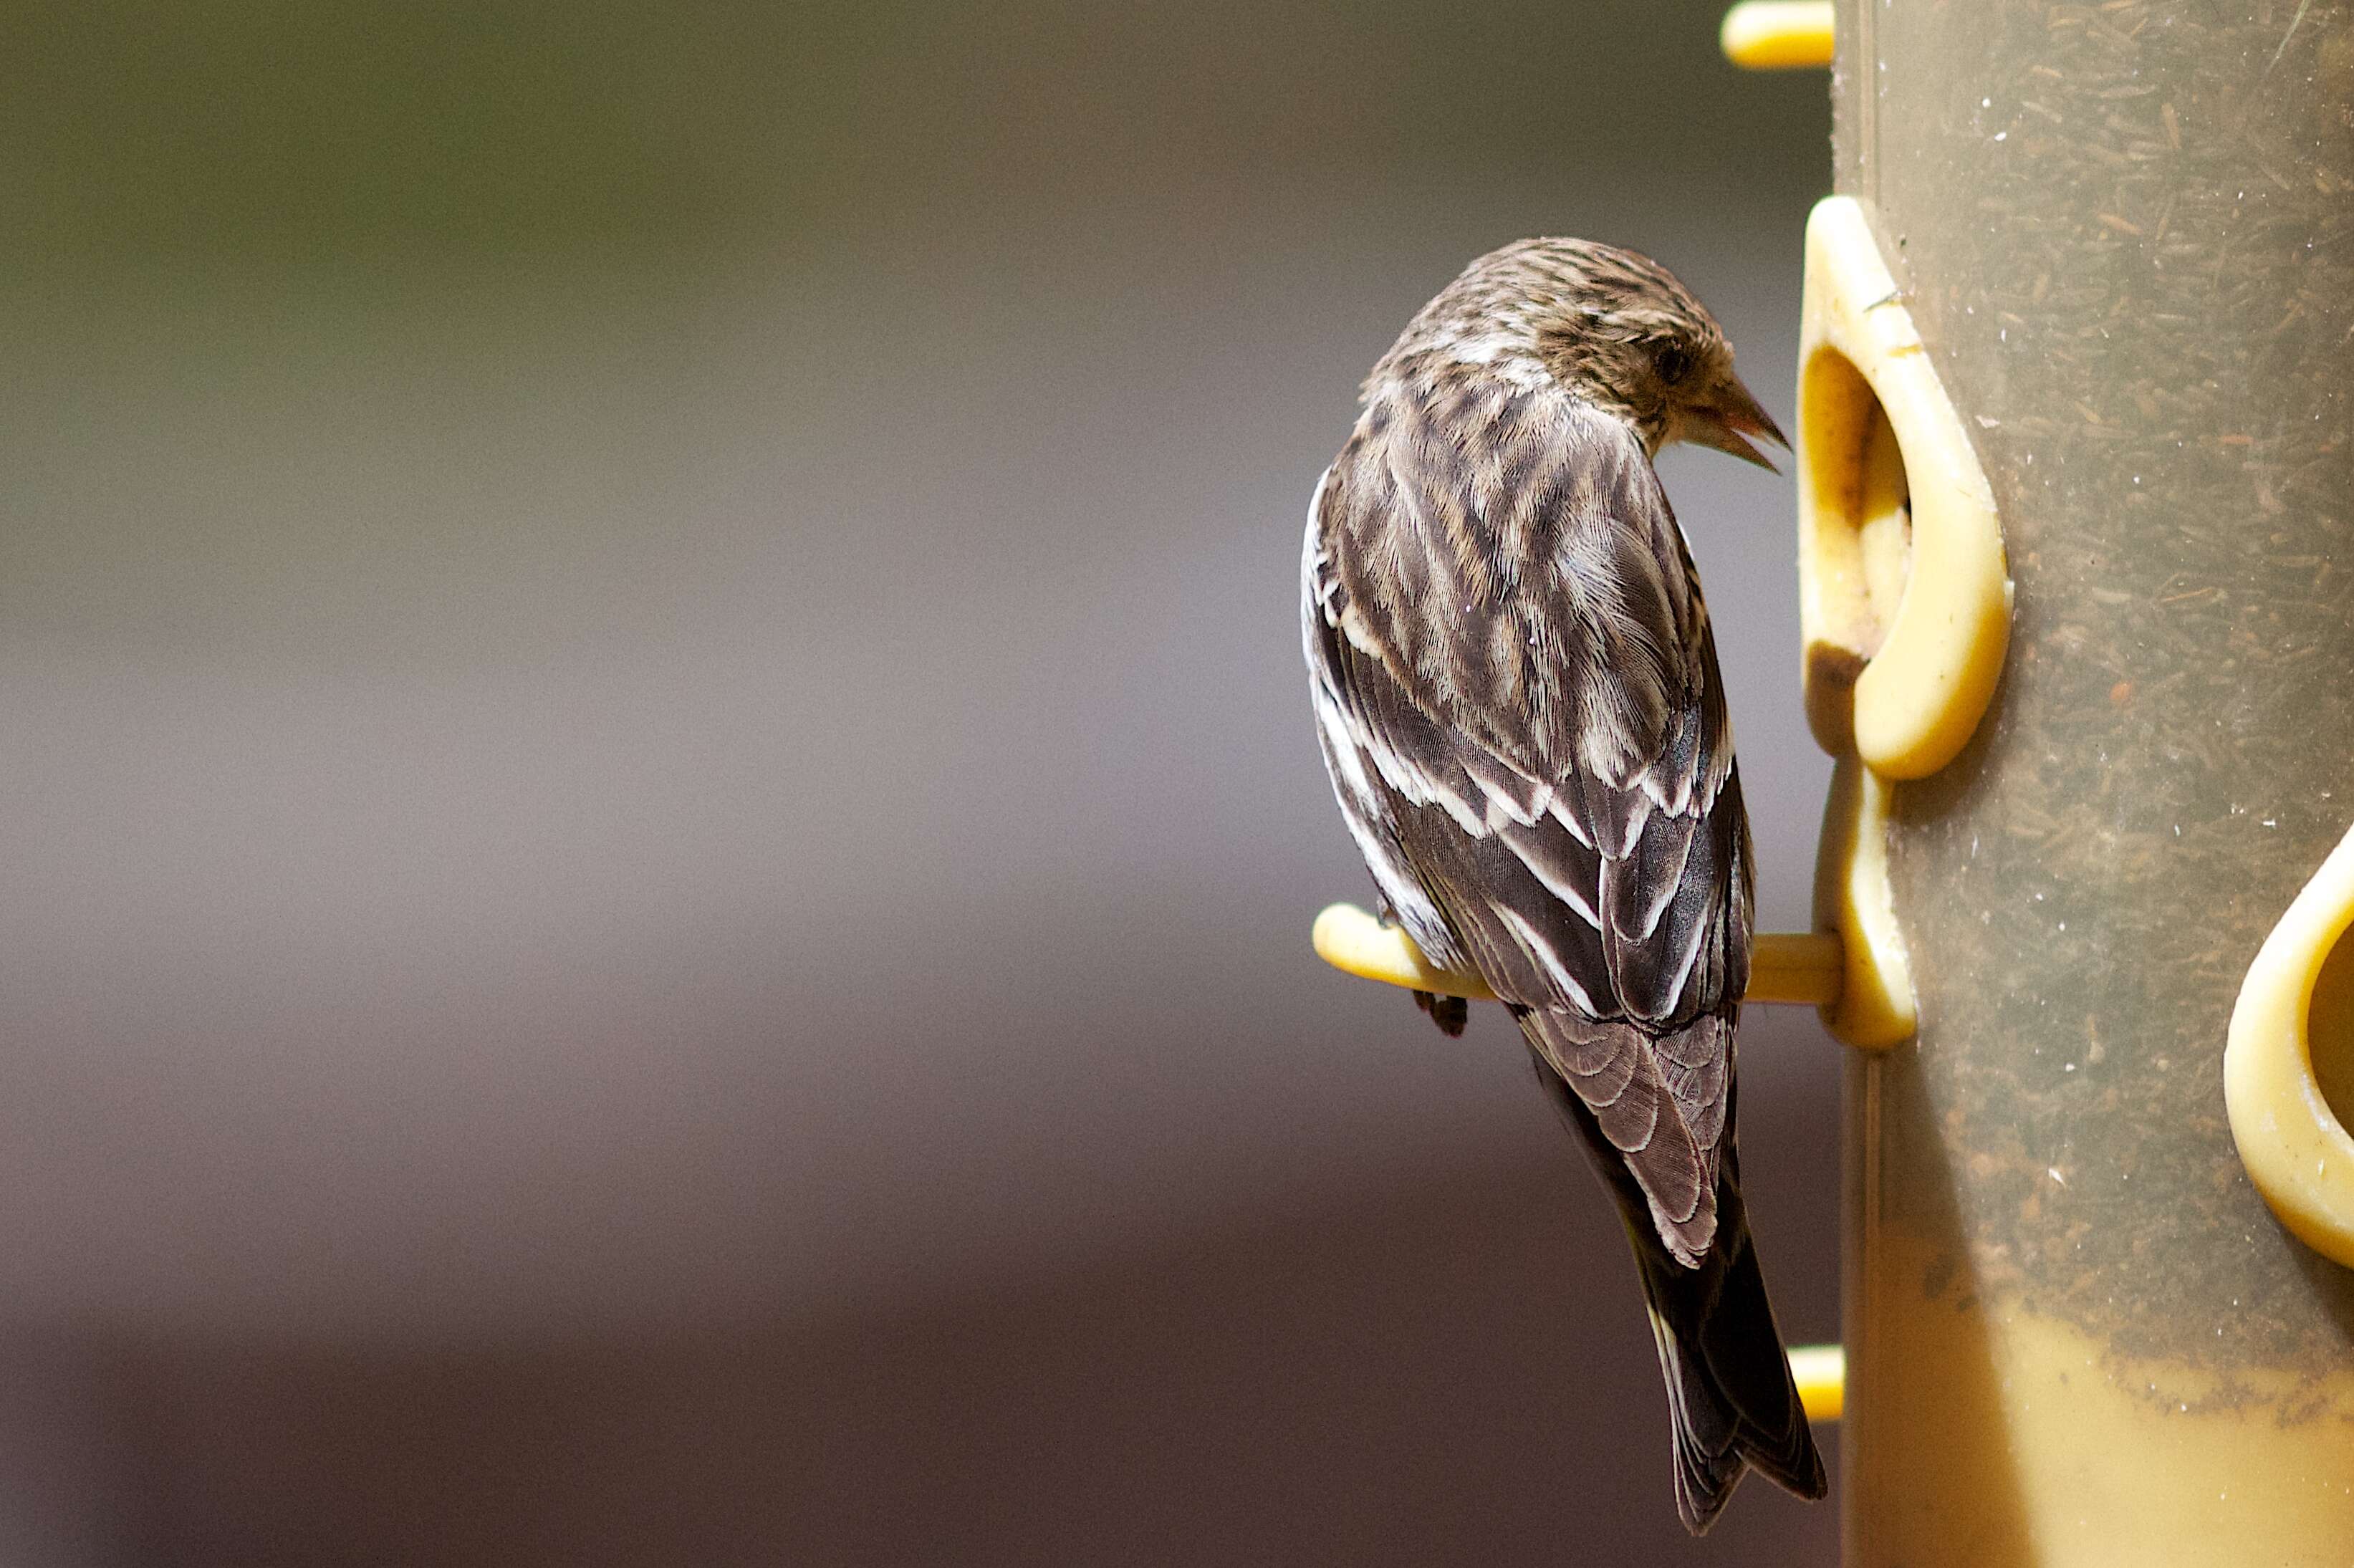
1517 693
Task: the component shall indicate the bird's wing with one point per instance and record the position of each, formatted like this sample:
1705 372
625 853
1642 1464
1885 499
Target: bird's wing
1519 696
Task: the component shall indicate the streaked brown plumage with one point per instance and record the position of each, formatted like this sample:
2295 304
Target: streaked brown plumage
1517 693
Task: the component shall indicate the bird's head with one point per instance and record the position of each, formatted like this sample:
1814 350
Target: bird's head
1612 328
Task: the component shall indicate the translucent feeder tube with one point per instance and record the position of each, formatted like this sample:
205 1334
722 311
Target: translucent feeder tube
2075 1333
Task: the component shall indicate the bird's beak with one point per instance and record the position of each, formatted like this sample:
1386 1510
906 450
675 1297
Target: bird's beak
1725 417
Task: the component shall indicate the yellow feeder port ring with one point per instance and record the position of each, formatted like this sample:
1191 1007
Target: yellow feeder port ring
1905 599
2296 1149
1804 967
1904 596
1778 35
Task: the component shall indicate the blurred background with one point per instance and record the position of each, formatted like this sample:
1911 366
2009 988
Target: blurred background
660 809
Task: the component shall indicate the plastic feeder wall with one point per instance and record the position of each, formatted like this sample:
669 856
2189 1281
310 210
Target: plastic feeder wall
2082 1325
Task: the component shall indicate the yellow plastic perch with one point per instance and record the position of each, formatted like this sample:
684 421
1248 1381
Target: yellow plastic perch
1803 967
1778 35
1821 1374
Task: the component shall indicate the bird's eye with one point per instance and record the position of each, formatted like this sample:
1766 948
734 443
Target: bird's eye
1672 362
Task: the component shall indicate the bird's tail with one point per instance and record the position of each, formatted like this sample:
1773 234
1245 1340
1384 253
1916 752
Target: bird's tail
1730 1391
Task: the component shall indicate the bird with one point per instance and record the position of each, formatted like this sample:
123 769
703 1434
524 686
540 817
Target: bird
1517 696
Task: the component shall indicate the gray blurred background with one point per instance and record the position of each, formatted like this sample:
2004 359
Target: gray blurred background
660 812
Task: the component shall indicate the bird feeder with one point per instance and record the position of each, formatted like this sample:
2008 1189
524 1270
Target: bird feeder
2076 541
2098 1306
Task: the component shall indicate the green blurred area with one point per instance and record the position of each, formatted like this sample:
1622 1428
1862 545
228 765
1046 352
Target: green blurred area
298 135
